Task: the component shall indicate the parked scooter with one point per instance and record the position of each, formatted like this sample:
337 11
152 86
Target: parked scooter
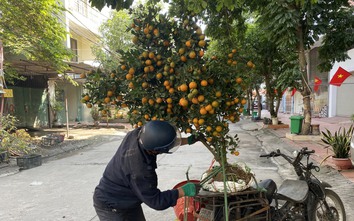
307 198
304 199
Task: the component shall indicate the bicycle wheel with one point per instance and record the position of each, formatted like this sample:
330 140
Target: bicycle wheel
336 208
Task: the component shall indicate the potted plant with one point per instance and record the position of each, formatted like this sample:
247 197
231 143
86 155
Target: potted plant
340 145
4 155
18 143
95 114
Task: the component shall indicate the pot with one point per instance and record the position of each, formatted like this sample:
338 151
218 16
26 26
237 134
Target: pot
275 121
186 206
342 163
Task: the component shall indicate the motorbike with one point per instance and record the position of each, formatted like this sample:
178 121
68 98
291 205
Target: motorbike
304 199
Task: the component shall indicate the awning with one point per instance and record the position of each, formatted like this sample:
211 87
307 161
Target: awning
27 67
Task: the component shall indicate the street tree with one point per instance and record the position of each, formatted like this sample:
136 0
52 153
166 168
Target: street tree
297 25
35 29
115 38
273 64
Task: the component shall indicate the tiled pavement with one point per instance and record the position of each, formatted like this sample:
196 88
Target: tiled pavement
321 152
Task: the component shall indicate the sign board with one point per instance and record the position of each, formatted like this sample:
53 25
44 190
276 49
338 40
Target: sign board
8 93
205 215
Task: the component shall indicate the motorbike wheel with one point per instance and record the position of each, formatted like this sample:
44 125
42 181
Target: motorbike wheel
336 213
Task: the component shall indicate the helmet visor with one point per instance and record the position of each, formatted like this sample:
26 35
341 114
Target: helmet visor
173 146
177 143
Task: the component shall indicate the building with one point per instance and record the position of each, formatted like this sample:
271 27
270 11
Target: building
328 100
45 97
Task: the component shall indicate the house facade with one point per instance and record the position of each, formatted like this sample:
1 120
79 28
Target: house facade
82 23
328 100
46 97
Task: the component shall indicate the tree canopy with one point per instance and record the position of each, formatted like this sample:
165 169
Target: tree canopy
115 38
167 76
291 25
35 30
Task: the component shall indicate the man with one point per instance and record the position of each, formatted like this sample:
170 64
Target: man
130 178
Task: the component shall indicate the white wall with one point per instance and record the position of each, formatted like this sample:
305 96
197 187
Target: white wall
341 99
298 103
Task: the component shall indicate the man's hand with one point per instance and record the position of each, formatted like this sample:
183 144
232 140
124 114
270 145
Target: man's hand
194 138
189 189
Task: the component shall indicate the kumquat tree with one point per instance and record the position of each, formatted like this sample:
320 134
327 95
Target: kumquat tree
167 76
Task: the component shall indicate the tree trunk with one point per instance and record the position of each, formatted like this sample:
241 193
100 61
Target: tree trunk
307 114
306 91
270 96
277 105
259 104
249 98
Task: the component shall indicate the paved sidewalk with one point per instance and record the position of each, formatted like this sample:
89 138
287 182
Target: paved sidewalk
80 137
332 124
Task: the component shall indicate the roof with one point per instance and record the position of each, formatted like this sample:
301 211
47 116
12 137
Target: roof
27 67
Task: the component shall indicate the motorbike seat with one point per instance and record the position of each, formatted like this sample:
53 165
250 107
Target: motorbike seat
270 186
294 190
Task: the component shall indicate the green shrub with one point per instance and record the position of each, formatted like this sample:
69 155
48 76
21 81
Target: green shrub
15 141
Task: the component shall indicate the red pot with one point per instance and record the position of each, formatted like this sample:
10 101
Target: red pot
190 208
343 163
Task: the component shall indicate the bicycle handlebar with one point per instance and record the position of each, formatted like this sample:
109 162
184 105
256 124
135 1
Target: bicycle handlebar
303 151
296 162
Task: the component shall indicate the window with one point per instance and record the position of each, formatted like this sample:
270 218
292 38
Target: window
73 47
80 6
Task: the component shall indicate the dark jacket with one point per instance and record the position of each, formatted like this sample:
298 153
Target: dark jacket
130 179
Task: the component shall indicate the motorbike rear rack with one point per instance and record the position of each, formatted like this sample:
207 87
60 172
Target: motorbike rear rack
249 204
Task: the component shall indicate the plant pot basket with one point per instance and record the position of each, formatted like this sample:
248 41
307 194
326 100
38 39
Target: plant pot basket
29 161
52 139
4 157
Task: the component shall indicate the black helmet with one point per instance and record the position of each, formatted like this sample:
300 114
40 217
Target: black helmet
159 136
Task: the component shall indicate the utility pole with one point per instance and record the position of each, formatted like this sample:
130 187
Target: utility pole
2 79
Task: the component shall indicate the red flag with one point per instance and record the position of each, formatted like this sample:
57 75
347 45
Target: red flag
293 92
318 82
339 77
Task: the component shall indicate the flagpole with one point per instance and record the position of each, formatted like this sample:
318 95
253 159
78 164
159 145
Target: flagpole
2 81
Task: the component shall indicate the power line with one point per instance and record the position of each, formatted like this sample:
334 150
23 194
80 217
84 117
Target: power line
86 37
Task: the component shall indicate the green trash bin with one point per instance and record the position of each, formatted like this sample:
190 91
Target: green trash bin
255 114
295 124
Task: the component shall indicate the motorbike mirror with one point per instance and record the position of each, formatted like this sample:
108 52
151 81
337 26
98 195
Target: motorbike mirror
295 153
